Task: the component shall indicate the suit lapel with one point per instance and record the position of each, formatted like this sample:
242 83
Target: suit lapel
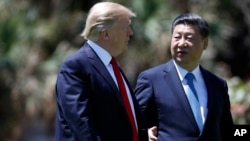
211 94
102 70
172 79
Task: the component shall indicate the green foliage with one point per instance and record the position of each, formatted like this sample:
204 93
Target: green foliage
240 98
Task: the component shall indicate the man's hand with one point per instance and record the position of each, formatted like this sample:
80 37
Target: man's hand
152 132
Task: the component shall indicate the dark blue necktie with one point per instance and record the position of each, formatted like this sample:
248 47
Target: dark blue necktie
193 100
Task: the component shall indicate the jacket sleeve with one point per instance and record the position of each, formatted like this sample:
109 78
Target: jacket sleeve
73 101
145 95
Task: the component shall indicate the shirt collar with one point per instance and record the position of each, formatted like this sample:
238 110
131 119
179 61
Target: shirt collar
182 72
101 53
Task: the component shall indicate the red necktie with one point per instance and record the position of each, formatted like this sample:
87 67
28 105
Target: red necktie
124 97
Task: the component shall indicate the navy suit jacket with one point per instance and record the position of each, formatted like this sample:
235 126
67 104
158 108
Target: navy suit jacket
89 105
164 103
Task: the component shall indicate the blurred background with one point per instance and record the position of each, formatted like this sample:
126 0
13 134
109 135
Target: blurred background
36 36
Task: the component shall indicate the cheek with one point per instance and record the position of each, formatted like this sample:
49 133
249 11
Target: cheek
173 45
191 44
172 48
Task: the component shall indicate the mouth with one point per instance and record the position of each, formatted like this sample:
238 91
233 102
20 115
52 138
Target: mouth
181 53
127 42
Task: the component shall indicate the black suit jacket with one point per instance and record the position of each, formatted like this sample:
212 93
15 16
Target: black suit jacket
89 105
164 103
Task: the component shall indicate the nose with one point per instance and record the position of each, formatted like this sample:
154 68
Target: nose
182 42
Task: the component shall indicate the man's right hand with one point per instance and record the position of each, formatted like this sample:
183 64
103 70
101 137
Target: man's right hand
152 132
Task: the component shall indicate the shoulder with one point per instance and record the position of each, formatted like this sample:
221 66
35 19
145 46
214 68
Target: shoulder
210 76
77 56
161 67
157 71
77 59
153 70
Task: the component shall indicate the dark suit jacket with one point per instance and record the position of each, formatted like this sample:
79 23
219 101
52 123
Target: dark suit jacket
164 103
89 105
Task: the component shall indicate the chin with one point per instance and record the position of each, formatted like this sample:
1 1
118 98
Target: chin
178 59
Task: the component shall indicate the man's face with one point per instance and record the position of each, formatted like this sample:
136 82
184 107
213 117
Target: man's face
187 45
120 34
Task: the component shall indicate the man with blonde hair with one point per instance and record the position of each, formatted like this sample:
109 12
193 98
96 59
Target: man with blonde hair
94 99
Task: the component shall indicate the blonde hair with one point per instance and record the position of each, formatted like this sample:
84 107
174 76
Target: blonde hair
102 16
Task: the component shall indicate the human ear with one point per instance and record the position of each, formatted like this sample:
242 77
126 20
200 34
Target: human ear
105 34
205 43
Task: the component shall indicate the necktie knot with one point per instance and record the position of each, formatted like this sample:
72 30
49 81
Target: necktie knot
113 61
189 76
